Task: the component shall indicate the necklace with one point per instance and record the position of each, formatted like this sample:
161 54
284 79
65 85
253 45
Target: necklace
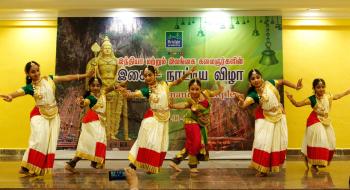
195 105
262 94
107 60
319 97
196 100
36 89
98 104
95 95
153 93
260 88
36 82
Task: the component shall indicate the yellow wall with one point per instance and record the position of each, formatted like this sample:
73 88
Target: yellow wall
310 50
319 50
20 42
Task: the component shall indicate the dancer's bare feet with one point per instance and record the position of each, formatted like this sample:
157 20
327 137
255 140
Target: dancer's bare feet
194 170
174 176
314 168
131 179
97 165
261 174
70 169
30 175
23 170
26 172
175 166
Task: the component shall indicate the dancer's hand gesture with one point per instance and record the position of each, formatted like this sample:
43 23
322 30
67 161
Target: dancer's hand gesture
80 101
299 84
289 95
7 98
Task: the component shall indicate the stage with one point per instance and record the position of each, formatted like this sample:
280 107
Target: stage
214 174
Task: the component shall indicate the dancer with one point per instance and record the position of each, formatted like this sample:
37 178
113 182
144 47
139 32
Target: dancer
92 140
319 141
39 157
196 124
271 134
151 145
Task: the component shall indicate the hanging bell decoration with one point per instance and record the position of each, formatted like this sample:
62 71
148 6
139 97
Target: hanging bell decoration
255 31
182 21
200 31
268 57
177 26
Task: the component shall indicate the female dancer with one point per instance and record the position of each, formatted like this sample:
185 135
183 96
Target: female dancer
196 126
271 134
92 140
39 157
151 145
319 140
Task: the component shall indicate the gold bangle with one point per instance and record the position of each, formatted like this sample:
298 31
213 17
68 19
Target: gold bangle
78 76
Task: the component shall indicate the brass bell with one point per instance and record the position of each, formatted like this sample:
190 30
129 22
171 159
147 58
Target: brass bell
268 57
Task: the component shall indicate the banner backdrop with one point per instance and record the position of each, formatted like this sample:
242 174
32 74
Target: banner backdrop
222 49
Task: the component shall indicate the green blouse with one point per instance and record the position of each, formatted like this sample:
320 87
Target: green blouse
254 94
92 100
28 89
